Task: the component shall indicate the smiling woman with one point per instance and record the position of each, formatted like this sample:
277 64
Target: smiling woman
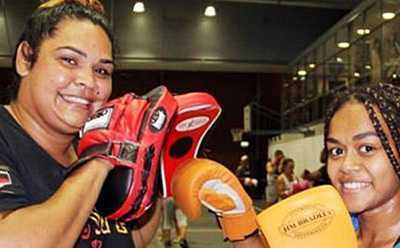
70 78
63 64
362 141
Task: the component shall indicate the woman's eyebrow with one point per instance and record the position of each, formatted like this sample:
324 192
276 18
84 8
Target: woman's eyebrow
82 53
364 135
73 49
107 61
355 137
332 140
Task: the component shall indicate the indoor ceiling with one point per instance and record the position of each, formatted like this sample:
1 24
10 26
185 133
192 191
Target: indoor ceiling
246 35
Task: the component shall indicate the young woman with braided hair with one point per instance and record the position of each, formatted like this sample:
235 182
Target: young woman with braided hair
63 65
362 140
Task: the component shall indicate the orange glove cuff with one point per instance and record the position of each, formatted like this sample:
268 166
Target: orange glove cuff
238 227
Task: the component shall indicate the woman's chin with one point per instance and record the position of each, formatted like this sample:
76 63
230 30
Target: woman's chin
355 207
75 122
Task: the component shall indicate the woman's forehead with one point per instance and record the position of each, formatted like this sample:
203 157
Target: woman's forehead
351 117
353 121
351 109
91 36
76 24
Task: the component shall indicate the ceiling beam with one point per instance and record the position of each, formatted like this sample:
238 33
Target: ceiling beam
343 4
198 65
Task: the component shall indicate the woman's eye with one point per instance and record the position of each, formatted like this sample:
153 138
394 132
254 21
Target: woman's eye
103 72
69 61
336 151
366 149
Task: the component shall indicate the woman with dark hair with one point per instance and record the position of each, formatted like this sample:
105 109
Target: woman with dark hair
286 180
362 141
63 64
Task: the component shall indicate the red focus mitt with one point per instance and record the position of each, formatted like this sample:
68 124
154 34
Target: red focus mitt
196 114
129 132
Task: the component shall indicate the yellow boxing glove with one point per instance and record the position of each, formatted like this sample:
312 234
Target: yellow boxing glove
203 181
313 218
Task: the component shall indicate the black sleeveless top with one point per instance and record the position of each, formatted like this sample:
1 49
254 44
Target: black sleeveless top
29 175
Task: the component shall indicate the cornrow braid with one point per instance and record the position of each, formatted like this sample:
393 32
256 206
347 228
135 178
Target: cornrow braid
385 98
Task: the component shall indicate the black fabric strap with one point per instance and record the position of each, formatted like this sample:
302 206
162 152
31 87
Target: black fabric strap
148 157
397 242
128 152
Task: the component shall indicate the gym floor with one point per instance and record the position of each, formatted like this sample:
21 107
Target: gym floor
203 232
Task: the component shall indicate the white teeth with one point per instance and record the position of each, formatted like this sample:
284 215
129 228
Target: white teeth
75 99
355 185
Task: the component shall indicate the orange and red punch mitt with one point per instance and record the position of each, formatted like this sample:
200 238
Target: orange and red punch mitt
133 132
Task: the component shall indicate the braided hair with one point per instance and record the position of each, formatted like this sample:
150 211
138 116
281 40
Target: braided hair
382 97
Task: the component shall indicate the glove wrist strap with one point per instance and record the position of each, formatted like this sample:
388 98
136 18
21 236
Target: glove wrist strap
125 152
238 227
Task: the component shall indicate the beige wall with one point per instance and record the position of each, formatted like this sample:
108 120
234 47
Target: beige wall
305 151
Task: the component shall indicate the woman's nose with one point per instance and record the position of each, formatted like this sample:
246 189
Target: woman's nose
352 162
85 78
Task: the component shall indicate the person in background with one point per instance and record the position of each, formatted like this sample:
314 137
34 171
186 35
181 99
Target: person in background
173 217
181 226
285 181
243 173
167 219
304 183
306 175
272 168
243 169
320 177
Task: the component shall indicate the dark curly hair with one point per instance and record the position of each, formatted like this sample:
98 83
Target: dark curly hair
285 163
383 97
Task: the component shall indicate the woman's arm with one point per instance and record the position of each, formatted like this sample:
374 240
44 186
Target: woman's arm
281 188
58 221
147 226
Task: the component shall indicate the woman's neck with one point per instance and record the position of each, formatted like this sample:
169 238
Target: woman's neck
57 144
381 225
